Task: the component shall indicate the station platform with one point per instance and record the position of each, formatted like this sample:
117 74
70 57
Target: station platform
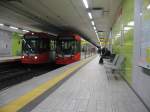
83 86
9 59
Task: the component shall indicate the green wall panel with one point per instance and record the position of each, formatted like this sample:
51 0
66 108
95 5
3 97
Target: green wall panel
127 48
16 44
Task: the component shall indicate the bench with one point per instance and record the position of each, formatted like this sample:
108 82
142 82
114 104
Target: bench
116 65
106 62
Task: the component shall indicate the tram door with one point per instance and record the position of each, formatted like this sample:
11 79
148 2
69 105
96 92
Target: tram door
52 53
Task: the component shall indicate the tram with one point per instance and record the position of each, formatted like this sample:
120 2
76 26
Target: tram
70 48
38 48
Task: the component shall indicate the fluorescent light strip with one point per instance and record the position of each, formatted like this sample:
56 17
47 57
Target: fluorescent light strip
85 4
25 30
94 28
148 7
1 24
15 28
127 28
131 23
90 15
93 23
118 34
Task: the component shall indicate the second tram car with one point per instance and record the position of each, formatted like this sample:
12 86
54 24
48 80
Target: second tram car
38 48
72 48
68 48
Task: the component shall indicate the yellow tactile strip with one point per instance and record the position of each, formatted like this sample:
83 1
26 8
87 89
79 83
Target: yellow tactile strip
20 102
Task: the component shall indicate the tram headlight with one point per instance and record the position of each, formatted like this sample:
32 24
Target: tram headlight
35 57
22 56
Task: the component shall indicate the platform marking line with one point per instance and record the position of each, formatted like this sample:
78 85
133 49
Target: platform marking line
17 104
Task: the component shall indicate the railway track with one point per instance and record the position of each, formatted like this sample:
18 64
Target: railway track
14 73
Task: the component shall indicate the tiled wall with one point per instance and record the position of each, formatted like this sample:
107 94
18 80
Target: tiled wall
5 43
10 43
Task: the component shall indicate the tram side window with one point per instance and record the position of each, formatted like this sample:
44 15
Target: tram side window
52 45
40 44
67 46
43 45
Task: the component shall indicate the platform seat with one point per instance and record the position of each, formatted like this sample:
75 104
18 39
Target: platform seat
116 65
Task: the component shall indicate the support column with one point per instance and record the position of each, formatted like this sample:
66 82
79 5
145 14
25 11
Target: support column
137 35
110 41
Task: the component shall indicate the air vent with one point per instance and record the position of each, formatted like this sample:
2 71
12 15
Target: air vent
97 12
98 8
100 31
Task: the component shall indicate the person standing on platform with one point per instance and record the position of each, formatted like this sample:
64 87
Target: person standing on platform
100 53
105 53
99 50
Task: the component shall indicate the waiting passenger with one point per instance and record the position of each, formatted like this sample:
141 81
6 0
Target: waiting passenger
105 53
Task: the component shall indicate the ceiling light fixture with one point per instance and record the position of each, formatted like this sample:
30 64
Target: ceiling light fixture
148 7
94 28
90 15
12 27
25 30
118 34
131 23
93 23
85 4
127 28
1 24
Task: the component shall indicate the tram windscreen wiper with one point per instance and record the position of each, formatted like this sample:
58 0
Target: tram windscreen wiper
28 45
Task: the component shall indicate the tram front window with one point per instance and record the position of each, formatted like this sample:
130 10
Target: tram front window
30 46
67 47
34 45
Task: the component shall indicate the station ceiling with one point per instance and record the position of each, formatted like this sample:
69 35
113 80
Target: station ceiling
58 15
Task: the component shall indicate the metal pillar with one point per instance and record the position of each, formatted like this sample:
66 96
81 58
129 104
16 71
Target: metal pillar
137 35
110 41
